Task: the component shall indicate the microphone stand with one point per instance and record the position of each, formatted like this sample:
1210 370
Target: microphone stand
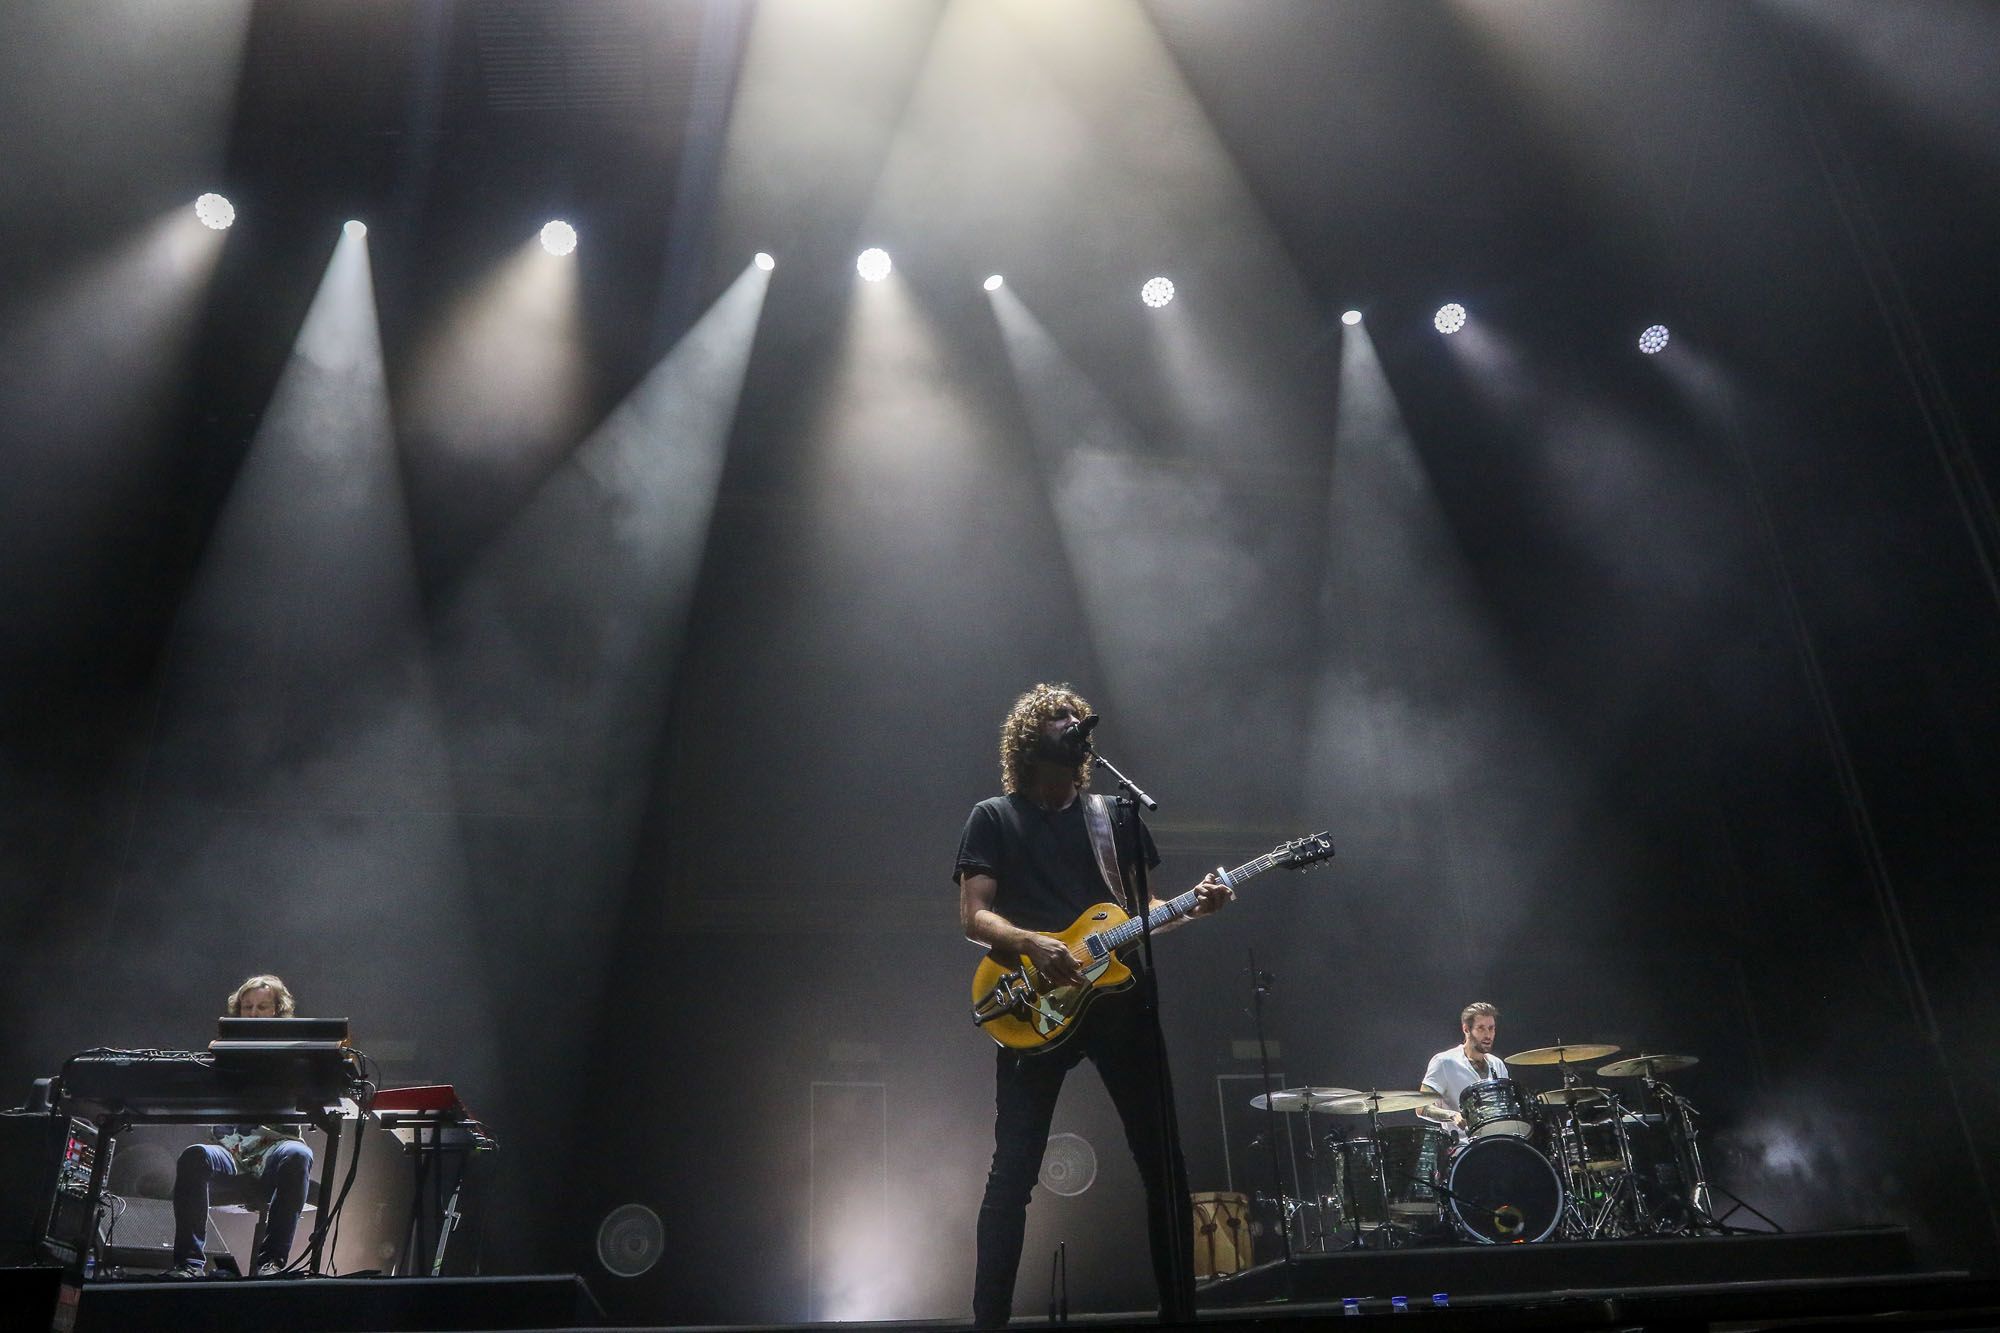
1174 1206
1260 986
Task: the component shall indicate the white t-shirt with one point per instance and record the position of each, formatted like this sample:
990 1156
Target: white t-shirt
1450 1074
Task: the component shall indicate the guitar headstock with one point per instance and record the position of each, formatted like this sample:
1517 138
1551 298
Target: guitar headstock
1304 853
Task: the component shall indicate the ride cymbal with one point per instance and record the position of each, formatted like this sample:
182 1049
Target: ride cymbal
1556 1055
1649 1065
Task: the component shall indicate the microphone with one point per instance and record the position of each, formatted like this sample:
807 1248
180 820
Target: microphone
1076 736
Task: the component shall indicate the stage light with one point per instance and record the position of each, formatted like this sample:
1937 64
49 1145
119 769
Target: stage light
630 1240
1351 318
215 212
1157 292
558 238
1654 339
994 283
1449 318
356 228
873 265
764 261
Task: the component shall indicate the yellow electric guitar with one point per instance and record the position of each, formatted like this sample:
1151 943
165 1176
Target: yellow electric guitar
1020 1010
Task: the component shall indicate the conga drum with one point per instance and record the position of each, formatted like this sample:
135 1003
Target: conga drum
1222 1242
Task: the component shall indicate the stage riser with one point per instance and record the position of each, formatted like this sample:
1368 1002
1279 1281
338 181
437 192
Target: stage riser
1618 1265
332 1305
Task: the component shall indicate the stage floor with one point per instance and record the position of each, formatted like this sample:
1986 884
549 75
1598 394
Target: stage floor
1820 1281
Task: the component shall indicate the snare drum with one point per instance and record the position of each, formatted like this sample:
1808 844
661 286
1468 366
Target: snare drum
1497 1106
1222 1236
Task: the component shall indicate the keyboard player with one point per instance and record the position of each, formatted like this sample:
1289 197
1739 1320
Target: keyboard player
251 1164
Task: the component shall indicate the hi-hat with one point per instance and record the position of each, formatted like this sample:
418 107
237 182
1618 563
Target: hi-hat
1556 1055
1648 1065
1361 1103
1302 1099
1574 1096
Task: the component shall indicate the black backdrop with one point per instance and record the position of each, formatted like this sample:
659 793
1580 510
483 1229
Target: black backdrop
1653 702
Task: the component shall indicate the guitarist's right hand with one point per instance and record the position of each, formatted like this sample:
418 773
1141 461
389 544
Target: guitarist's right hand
1052 959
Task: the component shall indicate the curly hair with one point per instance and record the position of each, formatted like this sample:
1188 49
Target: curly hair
1021 733
233 1006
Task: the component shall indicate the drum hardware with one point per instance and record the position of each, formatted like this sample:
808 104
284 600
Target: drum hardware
1678 1123
1373 1104
1305 1101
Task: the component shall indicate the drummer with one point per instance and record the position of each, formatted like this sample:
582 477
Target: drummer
1457 1068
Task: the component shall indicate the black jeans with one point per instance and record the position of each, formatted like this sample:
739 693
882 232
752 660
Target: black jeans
1124 1044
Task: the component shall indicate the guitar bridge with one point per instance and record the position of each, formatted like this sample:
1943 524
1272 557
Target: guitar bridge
1008 998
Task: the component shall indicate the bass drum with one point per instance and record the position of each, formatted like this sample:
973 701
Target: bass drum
1503 1191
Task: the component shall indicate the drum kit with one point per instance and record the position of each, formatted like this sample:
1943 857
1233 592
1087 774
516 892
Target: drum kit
1581 1161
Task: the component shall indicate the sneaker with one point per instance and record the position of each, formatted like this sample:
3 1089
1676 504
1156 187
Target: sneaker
183 1272
269 1268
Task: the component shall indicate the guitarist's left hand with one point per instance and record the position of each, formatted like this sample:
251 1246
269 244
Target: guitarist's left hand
1211 895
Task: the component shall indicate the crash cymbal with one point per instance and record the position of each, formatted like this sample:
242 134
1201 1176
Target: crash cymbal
1302 1099
1555 1055
1574 1096
1361 1103
1652 1066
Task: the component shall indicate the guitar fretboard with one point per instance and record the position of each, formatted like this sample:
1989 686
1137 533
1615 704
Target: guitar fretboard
1175 908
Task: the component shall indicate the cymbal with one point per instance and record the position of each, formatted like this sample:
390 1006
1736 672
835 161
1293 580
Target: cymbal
1649 1065
1361 1103
1574 1096
1302 1099
1555 1055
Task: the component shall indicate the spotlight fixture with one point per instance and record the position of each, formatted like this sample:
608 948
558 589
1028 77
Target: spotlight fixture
1653 340
630 1240
1449 318
764 261
873 264
558 238
1157 292
355 227
994 283
215 212
1351 318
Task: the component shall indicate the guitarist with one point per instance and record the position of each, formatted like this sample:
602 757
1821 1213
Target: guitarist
1027 865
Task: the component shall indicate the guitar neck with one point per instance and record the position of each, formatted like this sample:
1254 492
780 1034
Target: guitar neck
1175 908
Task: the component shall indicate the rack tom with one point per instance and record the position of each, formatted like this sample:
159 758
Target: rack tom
1497 1106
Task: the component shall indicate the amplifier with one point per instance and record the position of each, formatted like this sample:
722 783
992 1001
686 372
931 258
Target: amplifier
45 1164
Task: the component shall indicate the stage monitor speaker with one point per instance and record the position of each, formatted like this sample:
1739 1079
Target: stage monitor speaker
142 1239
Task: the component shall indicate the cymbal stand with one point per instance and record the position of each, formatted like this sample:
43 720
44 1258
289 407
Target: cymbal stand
1679 1114
1627 1182
1318 1241
1569 1152
1381 1167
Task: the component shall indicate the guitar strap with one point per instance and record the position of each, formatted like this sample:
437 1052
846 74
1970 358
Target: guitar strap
1097 818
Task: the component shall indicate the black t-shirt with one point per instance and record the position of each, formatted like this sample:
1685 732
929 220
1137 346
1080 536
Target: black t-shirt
1046 870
